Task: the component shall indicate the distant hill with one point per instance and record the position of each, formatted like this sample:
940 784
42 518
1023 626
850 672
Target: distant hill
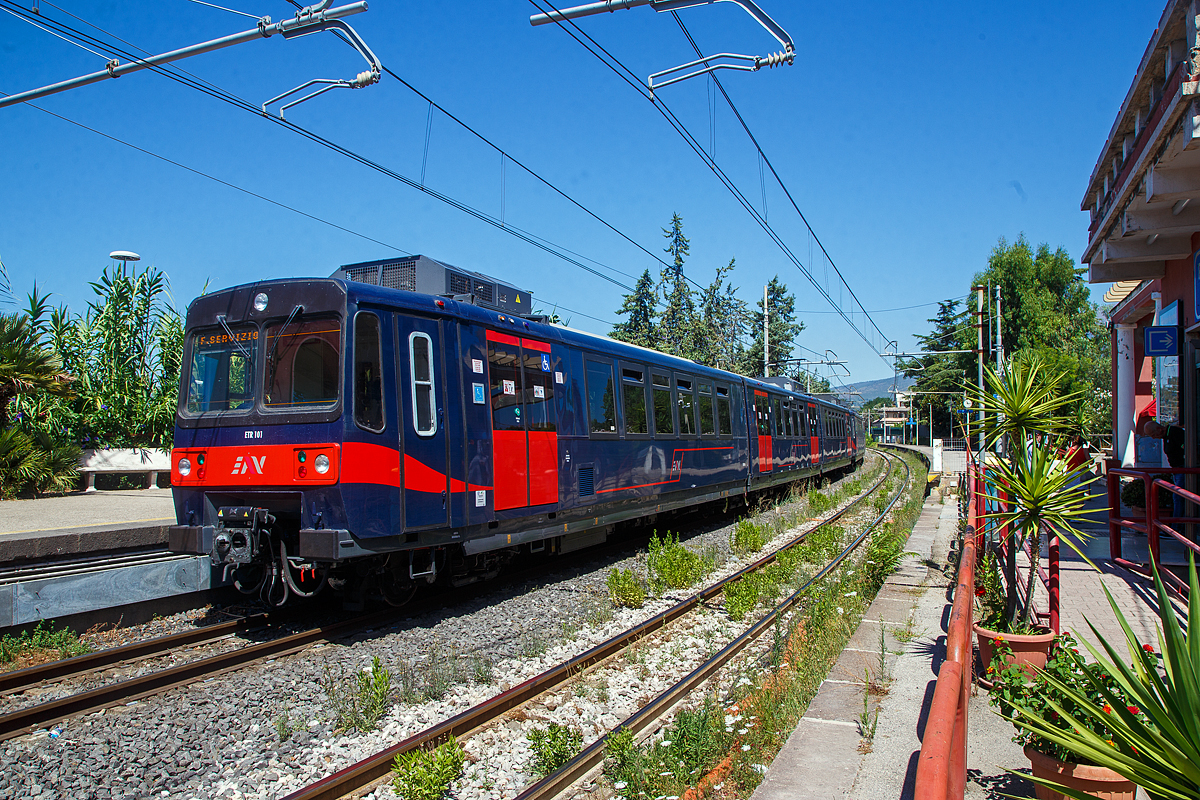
880 388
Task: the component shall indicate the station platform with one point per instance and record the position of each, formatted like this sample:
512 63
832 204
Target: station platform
826 757
82 524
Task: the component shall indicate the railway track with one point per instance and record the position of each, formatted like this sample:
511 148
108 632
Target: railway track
48 713
263 625
357 778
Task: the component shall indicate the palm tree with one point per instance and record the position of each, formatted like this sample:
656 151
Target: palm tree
25 365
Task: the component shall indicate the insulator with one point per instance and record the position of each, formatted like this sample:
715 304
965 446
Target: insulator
775 59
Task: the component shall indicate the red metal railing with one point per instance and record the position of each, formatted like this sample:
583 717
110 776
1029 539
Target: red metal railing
942 769
1154 523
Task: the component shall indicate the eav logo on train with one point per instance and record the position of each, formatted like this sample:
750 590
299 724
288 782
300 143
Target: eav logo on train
241 466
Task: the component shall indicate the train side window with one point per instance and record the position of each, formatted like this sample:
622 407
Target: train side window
724 420
797 419
602 406
708 423
778 403
538 396
664 415
504 376
633 401
368 373
787 418
420 358
685 400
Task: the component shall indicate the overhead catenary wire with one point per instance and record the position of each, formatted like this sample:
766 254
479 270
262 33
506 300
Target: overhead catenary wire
238 102
778 178
627 75
215 179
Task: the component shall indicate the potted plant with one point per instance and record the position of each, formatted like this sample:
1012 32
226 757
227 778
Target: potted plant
1140 720
1133 494
1027 646
1033 489
1018 696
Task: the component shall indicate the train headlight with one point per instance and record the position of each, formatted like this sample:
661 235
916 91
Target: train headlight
185 467
260 301
321 462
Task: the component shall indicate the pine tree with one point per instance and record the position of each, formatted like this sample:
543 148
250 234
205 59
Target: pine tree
640 309
678 333
783 329
722 323
941 373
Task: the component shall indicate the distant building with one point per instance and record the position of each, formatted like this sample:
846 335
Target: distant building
1144 200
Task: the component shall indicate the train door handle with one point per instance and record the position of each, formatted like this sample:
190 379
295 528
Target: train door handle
443 498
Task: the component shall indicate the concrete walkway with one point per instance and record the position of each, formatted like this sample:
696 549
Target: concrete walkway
826 757
84 523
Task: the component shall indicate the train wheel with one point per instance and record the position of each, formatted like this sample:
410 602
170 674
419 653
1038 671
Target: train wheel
396 591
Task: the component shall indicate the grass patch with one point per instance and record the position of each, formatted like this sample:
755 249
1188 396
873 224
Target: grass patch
43 643
427 774
673 566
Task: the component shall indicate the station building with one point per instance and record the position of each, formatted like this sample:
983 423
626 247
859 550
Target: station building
1144 237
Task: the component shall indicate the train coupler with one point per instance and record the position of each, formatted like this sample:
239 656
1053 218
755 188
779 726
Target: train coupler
239 528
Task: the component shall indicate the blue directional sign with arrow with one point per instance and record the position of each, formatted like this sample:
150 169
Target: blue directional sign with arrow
1162 340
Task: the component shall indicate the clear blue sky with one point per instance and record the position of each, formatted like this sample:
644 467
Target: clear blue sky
911 136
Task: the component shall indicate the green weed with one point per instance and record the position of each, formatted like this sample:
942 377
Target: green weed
427 774
553 747
625 588
44 640
742 595
673 566
360 704
748 537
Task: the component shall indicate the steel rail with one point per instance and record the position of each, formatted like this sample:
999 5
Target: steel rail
37 716
89 662
593 755
371 769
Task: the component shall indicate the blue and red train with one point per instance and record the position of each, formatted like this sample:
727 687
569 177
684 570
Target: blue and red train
342 433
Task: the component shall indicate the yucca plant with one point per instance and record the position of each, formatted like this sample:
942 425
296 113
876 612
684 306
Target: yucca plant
1025 407
1156 734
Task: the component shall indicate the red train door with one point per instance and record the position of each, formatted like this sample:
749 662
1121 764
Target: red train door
524 430
762 413
814 439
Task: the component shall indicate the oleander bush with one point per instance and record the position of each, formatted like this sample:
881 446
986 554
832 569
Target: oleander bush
358 703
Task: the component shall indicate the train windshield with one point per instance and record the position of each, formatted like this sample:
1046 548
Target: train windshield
221 374
302 363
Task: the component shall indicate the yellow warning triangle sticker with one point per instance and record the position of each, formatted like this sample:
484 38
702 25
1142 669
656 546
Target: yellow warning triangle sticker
518 298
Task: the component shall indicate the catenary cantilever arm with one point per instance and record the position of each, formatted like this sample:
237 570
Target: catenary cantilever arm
604 6
365 78
307 20
749 6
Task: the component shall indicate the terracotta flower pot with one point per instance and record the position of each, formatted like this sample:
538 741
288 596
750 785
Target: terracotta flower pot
1029 650
1099 782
